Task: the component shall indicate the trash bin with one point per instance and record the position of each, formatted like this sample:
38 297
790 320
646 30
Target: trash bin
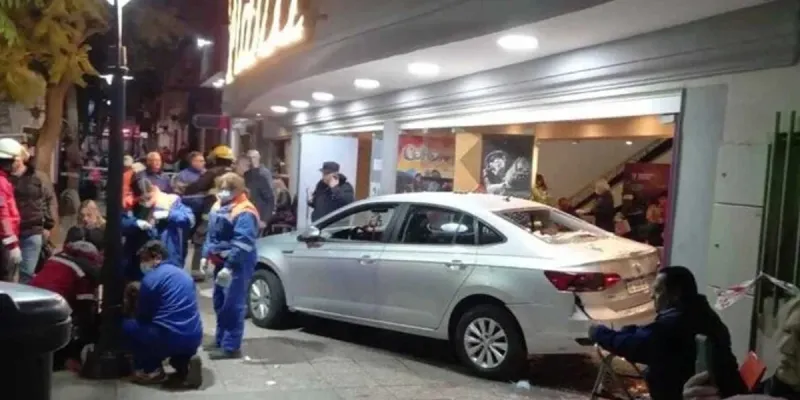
34 323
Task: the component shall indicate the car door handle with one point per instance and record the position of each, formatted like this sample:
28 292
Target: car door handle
366 260
455 265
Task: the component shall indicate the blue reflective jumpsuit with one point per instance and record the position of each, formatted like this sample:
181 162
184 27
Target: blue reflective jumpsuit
231 236
168 323
133 239
173 230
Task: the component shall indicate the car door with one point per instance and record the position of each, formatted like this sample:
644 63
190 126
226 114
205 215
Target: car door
424 265
337 273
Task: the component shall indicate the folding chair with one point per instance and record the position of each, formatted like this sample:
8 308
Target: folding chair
607 374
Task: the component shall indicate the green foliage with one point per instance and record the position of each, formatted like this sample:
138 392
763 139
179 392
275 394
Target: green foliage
42 43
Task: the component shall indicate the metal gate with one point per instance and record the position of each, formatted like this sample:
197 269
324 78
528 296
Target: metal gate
779 255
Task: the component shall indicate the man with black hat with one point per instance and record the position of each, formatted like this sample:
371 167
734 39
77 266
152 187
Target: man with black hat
332 192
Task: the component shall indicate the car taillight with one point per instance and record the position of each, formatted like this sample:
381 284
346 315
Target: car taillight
581 281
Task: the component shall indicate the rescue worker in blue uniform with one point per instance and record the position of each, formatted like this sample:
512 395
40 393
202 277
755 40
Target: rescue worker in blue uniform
229 251
137 228
167 323
173 221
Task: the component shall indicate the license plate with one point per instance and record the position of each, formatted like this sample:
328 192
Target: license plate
638 286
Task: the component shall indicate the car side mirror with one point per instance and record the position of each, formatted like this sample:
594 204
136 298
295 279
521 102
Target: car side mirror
311 234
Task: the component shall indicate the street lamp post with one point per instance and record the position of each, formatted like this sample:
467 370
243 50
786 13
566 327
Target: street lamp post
107 360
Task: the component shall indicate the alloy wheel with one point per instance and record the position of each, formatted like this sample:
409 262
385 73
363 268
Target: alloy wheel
259 299
486 343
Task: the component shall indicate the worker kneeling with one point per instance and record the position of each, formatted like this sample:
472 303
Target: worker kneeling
229 251
167 322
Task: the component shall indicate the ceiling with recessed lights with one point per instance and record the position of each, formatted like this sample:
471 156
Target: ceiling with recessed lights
610 21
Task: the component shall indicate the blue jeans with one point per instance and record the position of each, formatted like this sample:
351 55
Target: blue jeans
31 248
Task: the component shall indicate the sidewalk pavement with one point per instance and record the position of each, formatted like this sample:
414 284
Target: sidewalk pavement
320 361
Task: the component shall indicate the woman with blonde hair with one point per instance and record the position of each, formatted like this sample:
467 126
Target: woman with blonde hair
91 226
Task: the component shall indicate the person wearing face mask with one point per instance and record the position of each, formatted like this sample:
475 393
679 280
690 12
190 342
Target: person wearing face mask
167 323
10 252
138 227
668 345
229 251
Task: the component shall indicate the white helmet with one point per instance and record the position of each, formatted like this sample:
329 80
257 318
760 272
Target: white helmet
9 149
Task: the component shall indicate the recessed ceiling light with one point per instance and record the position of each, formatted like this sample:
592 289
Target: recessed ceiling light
628 142
518 42
367 84
322 96
279 109
423 69
258 114
299 103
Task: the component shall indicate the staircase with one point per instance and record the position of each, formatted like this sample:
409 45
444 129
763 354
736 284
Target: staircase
615 175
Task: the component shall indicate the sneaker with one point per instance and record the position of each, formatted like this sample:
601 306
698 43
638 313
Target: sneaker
192 380
149 378
220 354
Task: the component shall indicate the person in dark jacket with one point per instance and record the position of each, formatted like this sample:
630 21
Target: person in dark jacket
668 345
36 200
259 182
155 174
603 209
332 192
91 226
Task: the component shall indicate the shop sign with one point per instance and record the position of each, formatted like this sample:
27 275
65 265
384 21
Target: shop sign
257 30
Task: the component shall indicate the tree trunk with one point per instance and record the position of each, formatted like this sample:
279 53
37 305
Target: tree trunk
51 129
73 141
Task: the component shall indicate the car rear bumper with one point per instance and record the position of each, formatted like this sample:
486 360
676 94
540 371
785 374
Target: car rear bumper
563 329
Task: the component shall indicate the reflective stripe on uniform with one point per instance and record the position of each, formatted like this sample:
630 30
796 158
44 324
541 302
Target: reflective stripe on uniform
87 296
242 245
71 264
10 239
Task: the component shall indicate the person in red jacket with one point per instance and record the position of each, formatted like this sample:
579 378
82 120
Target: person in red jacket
74 273
11 256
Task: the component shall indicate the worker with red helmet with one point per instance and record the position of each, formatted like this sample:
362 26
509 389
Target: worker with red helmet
11 255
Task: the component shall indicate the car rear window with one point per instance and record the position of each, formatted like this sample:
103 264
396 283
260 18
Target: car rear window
553 226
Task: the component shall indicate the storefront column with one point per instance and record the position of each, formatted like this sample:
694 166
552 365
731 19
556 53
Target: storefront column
383 171
293 164
694 174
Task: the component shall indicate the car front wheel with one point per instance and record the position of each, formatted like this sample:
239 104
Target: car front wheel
489 342
266 300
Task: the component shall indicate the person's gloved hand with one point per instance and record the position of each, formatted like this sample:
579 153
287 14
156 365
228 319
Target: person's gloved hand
160 214
15 256
224 277
143 225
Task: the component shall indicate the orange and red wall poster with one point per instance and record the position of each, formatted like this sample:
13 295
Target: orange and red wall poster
425 163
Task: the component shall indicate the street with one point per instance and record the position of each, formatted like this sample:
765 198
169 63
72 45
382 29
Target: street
319 360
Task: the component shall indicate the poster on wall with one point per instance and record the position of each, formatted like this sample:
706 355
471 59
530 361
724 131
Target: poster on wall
506 166
425 163
646 181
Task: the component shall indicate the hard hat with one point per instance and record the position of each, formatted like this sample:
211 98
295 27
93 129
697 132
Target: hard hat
222 152
10 149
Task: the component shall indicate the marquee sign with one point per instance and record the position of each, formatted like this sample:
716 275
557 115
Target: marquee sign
258 28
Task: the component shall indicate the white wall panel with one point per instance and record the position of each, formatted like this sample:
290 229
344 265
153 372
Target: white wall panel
741 174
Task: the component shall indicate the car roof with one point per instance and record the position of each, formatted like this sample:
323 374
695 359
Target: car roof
465 201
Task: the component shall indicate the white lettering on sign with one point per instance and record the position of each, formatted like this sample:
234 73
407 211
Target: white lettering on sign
256 32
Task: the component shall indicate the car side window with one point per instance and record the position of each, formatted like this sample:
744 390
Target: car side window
433 225
487 235
365 225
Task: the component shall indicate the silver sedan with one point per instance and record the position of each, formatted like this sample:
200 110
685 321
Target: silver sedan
500 278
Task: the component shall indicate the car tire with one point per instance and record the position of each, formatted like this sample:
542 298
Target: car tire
490 321
276 311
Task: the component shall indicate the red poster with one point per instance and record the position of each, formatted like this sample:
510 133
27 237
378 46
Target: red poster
646 181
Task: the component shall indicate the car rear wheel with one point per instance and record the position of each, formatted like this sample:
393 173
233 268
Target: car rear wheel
266 300
489 342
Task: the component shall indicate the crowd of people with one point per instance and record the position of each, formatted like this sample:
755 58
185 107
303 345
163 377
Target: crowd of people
217 210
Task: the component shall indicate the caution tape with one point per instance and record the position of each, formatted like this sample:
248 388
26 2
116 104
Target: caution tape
732 295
